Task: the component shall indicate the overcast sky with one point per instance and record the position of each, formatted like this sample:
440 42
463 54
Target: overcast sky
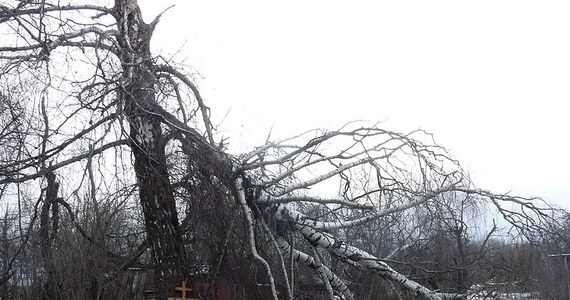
491 79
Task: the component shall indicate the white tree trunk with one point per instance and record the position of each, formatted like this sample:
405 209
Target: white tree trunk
350 253
324 273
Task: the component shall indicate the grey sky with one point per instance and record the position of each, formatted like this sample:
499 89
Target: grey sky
491 79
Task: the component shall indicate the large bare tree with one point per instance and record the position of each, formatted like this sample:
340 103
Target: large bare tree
97 94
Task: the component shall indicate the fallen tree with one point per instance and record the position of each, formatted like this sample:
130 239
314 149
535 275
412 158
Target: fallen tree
128 104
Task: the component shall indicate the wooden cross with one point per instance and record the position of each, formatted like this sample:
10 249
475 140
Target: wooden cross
183 288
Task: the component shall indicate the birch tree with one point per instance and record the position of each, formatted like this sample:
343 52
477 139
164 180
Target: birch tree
97 93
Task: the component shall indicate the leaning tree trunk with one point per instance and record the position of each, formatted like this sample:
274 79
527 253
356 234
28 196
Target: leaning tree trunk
138 99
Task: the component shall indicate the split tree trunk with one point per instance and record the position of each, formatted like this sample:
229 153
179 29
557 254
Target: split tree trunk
138 98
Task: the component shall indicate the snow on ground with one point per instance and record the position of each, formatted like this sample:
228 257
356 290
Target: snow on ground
502 296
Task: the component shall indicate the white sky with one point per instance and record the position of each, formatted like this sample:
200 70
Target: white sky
491 79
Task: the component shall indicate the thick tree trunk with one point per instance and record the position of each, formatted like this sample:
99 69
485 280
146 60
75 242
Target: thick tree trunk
48 233
461 261
148 146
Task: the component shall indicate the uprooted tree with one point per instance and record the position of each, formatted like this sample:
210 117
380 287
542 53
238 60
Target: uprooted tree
89 113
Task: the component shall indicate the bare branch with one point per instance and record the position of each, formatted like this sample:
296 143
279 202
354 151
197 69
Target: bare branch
51 168
302 219
251 235
6 13
203 108
291 199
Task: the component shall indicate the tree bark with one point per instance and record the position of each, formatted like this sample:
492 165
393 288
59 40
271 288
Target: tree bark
138 98
47 237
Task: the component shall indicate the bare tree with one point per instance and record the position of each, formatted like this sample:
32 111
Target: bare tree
128 105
